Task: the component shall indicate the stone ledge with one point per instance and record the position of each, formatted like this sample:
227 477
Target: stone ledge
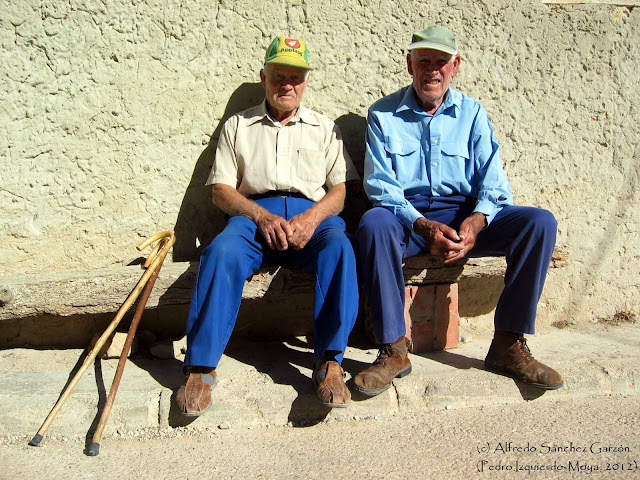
104 290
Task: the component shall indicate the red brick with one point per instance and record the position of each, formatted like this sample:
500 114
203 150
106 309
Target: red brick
431 316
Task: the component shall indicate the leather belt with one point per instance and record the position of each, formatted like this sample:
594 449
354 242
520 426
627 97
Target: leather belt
276 193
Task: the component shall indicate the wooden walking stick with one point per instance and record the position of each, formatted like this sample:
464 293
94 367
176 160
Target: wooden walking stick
153 264
94 447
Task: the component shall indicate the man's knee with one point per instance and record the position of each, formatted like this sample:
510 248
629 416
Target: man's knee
548 219
375 223
223 248
529 219
337 247
543 221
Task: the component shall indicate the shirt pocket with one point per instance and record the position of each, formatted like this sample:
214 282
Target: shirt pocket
455 161
405 159
311 165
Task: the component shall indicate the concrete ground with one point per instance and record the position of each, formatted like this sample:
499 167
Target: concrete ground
268 384
561 438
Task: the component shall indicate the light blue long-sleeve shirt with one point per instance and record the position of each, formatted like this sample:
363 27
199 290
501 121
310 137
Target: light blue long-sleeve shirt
452 152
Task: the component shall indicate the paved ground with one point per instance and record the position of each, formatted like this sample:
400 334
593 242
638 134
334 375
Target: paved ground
268 385
561 438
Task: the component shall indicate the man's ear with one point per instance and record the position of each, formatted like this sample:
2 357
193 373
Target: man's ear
456 66
263 77
409 65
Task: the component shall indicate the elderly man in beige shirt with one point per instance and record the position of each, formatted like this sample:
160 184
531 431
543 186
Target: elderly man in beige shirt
279 174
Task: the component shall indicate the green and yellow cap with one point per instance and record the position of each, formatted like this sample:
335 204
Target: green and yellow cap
288 51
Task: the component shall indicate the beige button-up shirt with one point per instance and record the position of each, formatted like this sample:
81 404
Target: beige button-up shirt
256 154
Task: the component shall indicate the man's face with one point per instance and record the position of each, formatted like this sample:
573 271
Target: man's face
432 72
284 86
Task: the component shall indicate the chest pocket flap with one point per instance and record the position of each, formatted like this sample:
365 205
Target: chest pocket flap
401 146
455 149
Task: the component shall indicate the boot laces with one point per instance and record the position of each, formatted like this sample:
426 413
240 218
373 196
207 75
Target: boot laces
524 349
385 352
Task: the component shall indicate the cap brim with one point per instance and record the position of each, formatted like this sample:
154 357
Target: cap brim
292 60
432 46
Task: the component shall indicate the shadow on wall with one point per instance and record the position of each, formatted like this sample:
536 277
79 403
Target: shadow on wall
199 221
353 128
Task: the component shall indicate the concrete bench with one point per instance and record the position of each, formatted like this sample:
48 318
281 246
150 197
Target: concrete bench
275 301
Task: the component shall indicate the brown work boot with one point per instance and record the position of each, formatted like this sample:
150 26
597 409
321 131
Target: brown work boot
329 381
194 397
510 355
392 362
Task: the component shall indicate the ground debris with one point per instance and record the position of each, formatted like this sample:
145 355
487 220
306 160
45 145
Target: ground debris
618 318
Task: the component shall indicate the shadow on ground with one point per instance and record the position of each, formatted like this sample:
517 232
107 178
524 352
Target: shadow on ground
462 362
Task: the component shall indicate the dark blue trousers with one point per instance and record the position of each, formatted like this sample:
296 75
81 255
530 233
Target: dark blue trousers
525 236
239 250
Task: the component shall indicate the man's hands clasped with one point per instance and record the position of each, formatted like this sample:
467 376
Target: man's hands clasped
445 242
281 234
275 230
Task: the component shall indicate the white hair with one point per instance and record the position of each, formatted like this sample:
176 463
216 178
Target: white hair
268 67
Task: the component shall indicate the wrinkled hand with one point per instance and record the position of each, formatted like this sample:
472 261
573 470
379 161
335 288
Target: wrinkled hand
302 231
469 230
440 238
275 230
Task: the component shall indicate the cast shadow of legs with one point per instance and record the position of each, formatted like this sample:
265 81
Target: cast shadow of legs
170 375
280 360
462 362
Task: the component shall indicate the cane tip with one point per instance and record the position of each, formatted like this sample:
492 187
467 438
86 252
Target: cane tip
35 441
94 449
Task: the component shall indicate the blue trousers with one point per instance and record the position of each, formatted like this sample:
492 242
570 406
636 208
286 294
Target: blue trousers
239 250
525 236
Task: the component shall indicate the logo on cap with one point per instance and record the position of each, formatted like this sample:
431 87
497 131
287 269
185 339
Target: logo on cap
292 42
288 51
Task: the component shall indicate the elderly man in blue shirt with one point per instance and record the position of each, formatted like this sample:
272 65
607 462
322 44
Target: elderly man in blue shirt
434 175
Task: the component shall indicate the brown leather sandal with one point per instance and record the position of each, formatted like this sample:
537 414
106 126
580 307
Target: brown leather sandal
194 397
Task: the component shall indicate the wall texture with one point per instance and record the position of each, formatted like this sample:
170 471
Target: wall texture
108 106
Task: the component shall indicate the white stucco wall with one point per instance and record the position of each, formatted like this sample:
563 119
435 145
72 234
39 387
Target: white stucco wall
106 108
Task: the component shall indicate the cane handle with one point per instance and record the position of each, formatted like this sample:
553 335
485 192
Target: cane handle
157 236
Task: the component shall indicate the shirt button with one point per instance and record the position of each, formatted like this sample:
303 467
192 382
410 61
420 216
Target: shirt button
435 164
435 141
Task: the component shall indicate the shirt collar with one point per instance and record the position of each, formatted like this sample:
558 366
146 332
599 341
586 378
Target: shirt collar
302 115
452 101
307 116
259 112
